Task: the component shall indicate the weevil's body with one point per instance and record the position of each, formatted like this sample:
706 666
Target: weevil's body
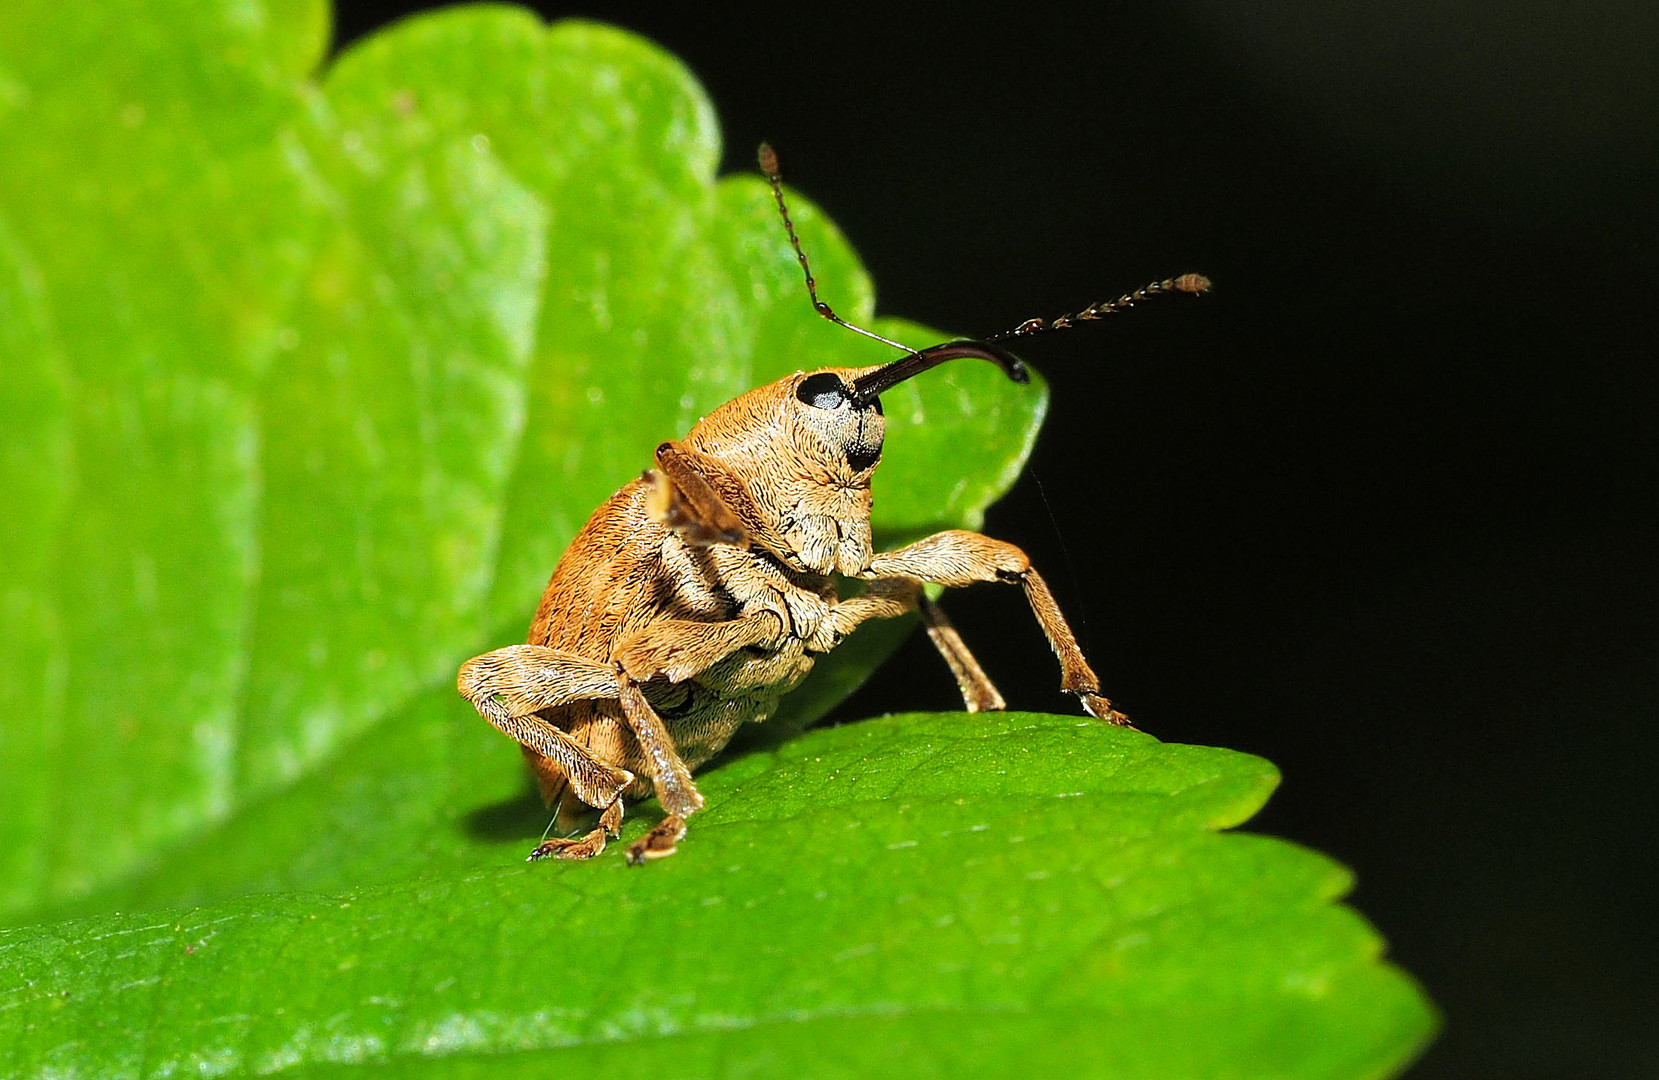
701 593
628 575
626 572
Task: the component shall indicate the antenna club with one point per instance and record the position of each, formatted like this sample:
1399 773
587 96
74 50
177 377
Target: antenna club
769 161
1192 284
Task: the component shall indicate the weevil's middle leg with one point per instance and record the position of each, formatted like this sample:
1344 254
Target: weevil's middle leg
888 598
670 776
979 693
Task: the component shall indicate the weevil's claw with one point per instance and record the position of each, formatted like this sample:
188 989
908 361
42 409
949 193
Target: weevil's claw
558 847
1101 709
659 843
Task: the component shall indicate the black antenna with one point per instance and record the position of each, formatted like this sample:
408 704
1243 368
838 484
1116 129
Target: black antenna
1193 284
769 166
867 388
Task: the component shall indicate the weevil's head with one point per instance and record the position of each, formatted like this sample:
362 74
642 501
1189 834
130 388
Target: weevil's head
841 407
832 424
807 445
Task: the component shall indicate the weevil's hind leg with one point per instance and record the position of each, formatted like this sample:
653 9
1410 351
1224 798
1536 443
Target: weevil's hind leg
509 687
569 812
979 693
522 679
583 847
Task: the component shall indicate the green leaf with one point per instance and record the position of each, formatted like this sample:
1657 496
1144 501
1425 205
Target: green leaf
308 381
313 383
916 894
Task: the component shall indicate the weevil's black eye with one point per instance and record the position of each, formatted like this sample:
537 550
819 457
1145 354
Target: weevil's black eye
822 391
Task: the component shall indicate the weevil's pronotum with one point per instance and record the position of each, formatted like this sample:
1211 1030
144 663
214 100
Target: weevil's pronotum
699 594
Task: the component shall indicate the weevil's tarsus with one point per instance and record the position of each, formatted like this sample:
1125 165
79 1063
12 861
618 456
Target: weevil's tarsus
659 843
576 850
1191 284
581 847
769 166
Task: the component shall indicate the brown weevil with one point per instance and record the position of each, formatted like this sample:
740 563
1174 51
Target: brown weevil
699 594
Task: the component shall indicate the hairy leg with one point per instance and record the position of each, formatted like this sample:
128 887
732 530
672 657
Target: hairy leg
956 558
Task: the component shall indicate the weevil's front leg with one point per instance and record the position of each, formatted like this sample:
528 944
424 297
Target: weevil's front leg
672 780
957 558
677 649
509 686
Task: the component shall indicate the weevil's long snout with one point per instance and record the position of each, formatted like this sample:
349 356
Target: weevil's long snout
867 388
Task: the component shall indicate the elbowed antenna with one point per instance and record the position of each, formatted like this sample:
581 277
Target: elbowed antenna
869 387
769 166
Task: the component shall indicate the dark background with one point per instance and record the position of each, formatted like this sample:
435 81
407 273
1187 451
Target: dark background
1380 509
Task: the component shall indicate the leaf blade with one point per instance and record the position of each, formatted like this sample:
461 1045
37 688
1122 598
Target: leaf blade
881 910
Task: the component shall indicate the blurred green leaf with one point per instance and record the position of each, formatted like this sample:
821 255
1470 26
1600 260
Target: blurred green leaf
308 381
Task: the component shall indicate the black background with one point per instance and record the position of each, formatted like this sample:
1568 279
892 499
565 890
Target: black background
1380 509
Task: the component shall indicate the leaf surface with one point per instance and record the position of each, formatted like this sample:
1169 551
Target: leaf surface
928 893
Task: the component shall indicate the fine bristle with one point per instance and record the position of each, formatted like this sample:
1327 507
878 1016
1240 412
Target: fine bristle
1191 283
768 161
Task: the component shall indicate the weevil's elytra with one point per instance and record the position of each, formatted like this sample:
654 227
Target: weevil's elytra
702 592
